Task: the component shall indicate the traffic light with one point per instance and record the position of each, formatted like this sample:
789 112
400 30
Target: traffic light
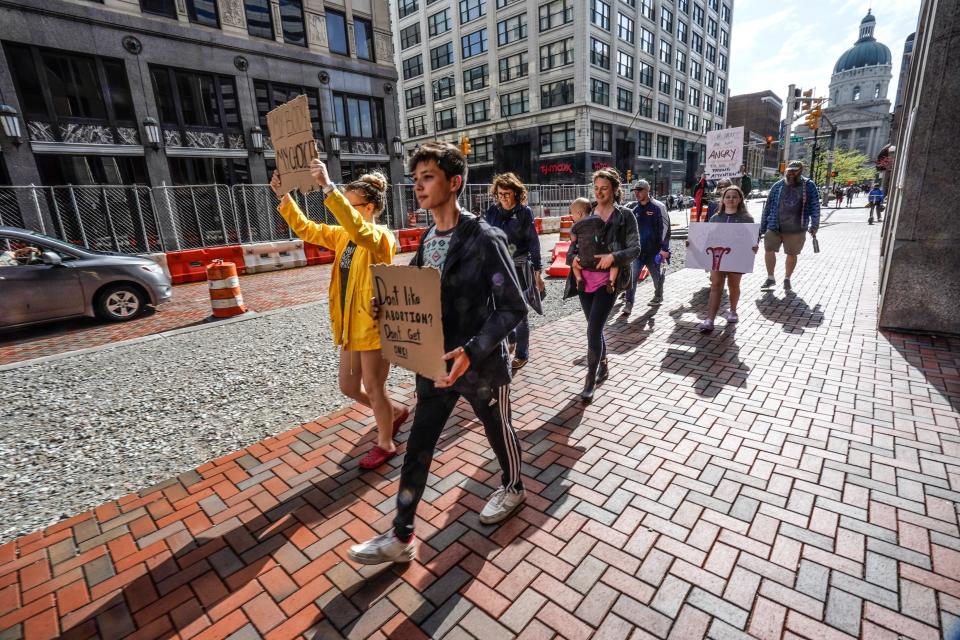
813 118
796 100
629 175
769 142
465 145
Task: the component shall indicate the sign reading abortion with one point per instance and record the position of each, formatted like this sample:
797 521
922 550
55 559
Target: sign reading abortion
724 153
411 331
292 134
722 247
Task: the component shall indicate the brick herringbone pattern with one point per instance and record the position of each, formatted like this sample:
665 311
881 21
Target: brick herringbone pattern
798 477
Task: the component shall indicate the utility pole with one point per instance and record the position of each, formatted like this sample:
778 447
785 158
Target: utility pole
789 127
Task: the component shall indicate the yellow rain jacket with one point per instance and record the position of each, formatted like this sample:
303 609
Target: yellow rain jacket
353 328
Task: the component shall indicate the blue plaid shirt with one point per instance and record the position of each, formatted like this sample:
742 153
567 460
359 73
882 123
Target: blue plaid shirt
810 218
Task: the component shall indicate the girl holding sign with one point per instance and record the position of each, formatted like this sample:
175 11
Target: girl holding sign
358 242
733 209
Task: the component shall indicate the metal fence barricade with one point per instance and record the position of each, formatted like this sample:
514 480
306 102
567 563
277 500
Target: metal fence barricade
203 215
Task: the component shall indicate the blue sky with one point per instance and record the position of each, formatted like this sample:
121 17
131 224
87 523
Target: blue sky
775 44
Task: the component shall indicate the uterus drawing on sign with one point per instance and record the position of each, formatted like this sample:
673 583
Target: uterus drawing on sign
716 254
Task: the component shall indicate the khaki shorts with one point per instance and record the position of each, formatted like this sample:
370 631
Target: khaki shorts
792 242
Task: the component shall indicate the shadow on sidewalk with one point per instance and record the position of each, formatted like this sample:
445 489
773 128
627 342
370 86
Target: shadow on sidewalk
791 311
937 358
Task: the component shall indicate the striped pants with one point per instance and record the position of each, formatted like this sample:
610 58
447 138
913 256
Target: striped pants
434 407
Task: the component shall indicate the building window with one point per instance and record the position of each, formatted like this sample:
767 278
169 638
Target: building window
646 10
625 65
413 67
696 41
681 61
337 33
515 103
270 95
720 107
722 85
666 20
475 78
856 93
259 18
444 88
363 38
876 92
698 14
680 91
723 62
711 54
646 41
646 74
682 31
417 126
504 3
646 107
291 22
678 116
600 92
556 54
601 134
725 13
203 12
441 56
407 7
695 97
710 78
624 99
696 70
473 44
557 138
556 94
472 9
711 27
439 23
481 150
644 144
447 119
724 38
708 104
625 28
513 67
693 122
666 52
663 112
196 100
556 13
415 97
359 116
165 8
512 29
684 5
663 146
600 14
410 36
599 53
475 112
679 149
664 82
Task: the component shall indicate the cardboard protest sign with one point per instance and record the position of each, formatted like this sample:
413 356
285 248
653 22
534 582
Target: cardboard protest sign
724 153
292 134
411 332
722 247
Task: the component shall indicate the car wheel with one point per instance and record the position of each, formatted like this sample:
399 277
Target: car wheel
120 302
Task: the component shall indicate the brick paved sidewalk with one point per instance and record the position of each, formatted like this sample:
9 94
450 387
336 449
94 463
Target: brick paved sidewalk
796 477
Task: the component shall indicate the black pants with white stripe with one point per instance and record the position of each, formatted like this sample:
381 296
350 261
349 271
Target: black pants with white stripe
434 407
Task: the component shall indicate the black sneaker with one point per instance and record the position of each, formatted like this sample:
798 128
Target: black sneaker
786 285
657 300
769 283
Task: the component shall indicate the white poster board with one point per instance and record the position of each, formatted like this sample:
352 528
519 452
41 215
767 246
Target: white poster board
724 153
716 246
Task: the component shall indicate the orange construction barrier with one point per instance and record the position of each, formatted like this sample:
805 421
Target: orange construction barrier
225 297
538 225
317 254
191 265
558 260
566 223
410 238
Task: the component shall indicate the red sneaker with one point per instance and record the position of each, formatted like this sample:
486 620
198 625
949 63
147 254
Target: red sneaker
399 420
375 458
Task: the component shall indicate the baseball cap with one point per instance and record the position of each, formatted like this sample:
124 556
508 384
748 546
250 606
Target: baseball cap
796 164
641 184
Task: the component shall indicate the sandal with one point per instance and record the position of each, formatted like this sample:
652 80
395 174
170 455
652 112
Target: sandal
375 457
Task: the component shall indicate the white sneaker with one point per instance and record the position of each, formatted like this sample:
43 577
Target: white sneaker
706 326
386 547
502 503
731 316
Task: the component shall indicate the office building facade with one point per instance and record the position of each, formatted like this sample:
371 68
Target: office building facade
172 91
555 89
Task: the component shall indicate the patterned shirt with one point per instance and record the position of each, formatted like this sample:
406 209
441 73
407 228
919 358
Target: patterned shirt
435 247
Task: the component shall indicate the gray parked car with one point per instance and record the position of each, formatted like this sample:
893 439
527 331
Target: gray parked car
42 278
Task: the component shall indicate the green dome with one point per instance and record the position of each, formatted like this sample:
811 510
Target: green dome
867 52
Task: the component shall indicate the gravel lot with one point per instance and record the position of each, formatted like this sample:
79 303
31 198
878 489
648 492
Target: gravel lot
81 430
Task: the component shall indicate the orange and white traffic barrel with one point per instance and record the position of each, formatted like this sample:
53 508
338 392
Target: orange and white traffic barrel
225 297
566 223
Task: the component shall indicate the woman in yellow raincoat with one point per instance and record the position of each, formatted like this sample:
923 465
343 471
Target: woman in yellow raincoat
357 242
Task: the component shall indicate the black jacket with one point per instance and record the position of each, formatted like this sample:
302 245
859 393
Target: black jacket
480 301
622 238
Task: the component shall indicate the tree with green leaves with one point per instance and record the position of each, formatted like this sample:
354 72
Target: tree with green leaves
849 164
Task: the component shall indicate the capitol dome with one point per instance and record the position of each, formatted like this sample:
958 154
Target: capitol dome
866 52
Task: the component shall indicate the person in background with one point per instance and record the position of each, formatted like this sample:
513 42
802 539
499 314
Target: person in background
653 227
358 242
875 202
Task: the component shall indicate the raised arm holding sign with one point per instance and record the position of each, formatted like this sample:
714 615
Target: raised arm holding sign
291 132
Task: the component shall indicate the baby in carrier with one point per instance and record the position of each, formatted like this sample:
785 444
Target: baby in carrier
587 236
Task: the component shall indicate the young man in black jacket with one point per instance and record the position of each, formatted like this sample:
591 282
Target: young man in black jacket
481 303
